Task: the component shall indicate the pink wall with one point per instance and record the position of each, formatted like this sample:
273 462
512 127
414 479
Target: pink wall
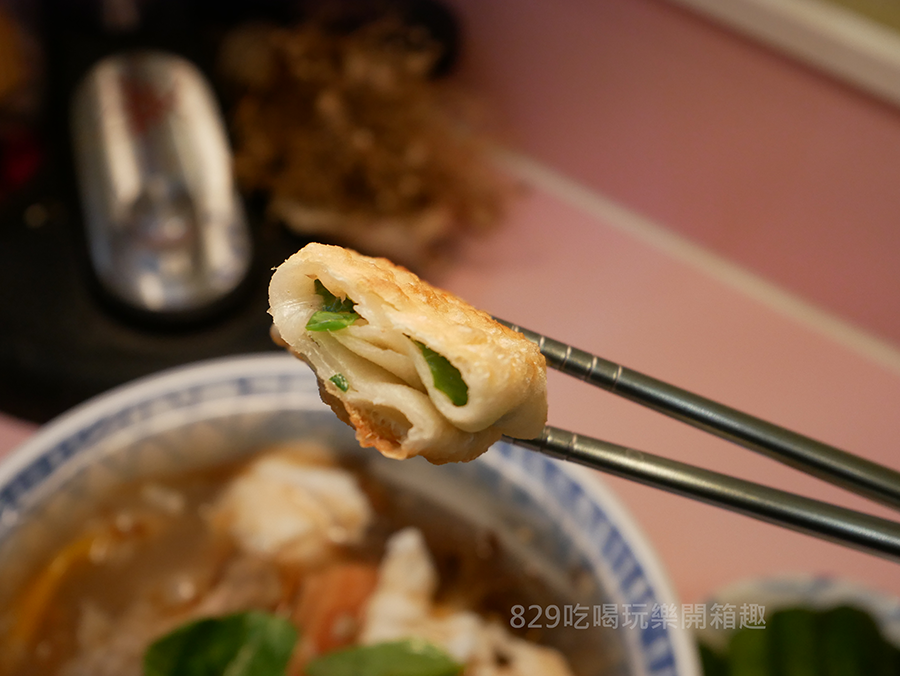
778 167
617 297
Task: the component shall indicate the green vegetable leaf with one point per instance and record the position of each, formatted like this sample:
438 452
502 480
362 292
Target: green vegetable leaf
793 641
335 314
749 653
712 662
340 381
330 321
400 658
244 644
331 302
803 641
447 377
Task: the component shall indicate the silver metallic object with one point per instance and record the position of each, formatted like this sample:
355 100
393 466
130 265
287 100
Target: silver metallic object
837 524
166 229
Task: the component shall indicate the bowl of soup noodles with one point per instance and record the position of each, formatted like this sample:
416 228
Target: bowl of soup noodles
222 501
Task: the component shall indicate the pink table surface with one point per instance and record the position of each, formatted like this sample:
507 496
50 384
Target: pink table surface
13 432
757 156
562 266
565 270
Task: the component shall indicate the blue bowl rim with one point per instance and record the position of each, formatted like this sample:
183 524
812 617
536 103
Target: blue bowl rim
679 642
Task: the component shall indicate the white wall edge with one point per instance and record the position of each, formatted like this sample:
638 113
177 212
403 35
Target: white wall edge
836 40
653 234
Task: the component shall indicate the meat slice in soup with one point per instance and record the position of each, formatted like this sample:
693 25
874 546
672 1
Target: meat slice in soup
402 606
294 507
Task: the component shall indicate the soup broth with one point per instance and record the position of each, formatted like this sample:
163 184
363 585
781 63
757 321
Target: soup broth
151 556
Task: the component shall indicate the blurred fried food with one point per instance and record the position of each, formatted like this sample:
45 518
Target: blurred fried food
351 140
12 68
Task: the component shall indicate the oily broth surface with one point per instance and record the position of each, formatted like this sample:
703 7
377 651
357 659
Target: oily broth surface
161 552
156 550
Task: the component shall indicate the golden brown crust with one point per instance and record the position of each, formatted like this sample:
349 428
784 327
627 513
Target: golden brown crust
505 374
403 290
332 401
372 433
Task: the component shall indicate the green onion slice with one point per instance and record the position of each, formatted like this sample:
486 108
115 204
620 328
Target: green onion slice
336 313
340 382
447 377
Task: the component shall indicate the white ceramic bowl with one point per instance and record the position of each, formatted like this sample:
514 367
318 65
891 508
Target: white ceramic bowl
580 536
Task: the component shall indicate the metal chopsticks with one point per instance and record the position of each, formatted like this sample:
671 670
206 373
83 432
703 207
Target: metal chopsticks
861 531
